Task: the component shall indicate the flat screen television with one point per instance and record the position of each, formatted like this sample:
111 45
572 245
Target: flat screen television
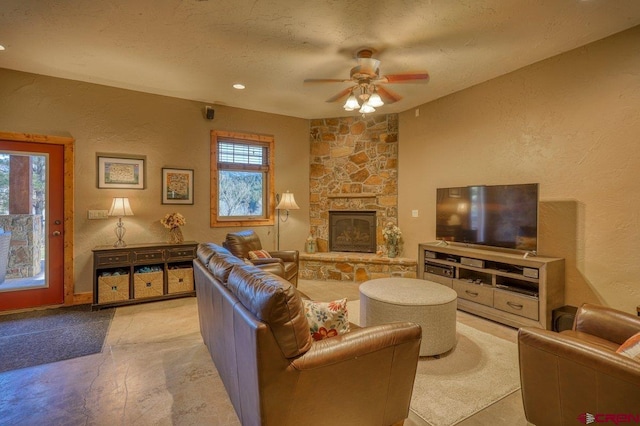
504 216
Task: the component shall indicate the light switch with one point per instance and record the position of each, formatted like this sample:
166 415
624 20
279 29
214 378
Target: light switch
97 214
414 213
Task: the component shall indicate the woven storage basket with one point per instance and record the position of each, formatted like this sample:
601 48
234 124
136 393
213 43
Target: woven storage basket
180 280
113 288
147 284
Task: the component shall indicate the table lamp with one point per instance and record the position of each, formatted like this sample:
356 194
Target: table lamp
120 207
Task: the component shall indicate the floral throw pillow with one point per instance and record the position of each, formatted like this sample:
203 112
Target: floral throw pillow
327 319
259 254
631 347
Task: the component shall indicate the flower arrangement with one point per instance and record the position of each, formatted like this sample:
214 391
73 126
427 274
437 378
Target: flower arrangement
391 233
393 237
173 220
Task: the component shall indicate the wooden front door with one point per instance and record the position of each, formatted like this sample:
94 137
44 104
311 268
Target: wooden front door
32 209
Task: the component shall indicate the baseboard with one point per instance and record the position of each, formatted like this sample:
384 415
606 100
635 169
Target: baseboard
82 298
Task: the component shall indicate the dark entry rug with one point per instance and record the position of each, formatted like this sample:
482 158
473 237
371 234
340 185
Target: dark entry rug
50 335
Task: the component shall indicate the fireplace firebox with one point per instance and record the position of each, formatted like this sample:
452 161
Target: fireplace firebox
353 231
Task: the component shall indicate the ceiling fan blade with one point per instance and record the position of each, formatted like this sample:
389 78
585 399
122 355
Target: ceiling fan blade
420 77
388 96
341 95
326 80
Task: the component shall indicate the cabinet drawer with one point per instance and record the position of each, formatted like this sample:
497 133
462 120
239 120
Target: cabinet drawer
518 304
182 253
112 258
438 279
141 256
474 292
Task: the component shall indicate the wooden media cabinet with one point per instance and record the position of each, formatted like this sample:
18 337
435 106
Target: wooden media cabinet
506 287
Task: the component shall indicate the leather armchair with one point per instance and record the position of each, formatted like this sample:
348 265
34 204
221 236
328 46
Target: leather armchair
242 242
566 375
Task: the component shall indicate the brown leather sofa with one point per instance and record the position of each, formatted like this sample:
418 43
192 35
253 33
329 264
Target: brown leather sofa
566 375
242 242
254 326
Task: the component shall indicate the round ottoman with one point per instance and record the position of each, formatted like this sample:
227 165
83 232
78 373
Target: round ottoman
429 304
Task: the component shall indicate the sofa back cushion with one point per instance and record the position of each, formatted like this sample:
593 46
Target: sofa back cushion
207 250
276 302
222 264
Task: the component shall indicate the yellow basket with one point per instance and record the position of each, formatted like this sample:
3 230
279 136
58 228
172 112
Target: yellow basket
147 284
180 280
113 288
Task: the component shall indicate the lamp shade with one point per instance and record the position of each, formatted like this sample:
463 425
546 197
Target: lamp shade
120 207
287 202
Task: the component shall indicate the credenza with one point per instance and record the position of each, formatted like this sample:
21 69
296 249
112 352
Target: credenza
142 273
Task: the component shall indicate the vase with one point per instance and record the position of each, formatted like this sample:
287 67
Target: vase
175 235
392 250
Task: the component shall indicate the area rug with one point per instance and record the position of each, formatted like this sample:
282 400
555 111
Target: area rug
481 370
40 337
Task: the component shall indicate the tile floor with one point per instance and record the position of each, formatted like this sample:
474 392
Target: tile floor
155 370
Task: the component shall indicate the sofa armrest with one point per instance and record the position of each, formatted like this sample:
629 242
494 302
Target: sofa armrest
595 357
266 261
358 343
286 255
606 323
275 268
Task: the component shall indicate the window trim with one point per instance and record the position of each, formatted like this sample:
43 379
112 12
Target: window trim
215 221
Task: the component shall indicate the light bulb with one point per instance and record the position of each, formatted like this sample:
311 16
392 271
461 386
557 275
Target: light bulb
375 100
352 103
366 108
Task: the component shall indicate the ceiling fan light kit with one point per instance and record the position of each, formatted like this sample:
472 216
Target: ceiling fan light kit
368 84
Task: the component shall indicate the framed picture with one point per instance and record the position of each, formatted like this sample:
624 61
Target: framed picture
177 186
123 172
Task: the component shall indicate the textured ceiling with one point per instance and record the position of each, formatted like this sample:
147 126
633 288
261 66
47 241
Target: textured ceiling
196 49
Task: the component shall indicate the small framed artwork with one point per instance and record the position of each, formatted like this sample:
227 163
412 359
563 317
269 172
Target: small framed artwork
177 186
123 172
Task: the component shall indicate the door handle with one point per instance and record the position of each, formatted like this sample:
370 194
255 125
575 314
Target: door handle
57 233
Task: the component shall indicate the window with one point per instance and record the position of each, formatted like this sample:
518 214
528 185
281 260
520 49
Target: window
241 179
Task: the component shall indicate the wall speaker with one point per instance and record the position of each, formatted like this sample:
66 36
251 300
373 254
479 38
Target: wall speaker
208 112
562 318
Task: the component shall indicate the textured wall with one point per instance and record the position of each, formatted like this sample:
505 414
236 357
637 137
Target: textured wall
171 133
571 123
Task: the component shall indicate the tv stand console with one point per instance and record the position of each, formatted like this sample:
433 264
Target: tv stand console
502 286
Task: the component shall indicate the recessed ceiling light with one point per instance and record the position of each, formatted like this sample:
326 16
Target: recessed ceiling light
1 47
238 86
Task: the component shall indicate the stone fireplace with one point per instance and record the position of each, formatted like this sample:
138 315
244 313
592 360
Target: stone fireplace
354 167
353 173
352 231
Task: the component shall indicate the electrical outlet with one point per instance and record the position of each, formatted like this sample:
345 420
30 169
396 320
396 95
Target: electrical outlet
97 214
414 213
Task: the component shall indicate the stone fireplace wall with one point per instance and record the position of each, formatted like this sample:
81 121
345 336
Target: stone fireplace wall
354 166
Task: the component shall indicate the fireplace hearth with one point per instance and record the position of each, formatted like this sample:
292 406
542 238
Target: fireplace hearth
353 231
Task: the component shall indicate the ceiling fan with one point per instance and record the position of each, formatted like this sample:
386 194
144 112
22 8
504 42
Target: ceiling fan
367 84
